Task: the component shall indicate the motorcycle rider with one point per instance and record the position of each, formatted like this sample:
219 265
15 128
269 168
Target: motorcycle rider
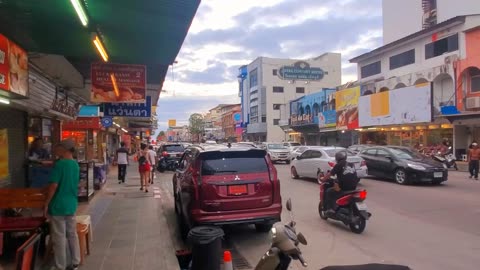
347 180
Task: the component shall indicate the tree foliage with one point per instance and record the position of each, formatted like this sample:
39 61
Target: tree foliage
196 124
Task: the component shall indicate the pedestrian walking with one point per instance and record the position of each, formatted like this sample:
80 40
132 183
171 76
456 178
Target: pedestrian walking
61 206
152 158
473 160
122 162
144 167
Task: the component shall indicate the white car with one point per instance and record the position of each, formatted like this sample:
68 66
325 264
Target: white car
322 159
277 152
291 145
297 151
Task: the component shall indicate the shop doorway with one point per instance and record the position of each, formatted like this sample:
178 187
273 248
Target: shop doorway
443 92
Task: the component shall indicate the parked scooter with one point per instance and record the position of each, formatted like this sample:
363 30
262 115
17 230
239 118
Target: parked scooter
351 208
285 246
448 158
165 164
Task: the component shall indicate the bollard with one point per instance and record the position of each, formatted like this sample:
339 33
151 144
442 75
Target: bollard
206 247
227 260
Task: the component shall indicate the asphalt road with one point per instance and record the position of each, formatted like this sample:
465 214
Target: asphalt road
425 227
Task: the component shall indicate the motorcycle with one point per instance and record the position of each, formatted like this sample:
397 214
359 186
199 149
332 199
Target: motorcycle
448 158
351 210
167 165
285 246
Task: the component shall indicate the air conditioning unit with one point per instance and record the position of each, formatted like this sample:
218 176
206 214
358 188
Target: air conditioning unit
473 102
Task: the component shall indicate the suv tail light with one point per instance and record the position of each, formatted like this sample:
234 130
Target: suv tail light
331 164
165 154
363 163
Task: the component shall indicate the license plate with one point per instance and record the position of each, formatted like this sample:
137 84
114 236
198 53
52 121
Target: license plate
361 206
438 174
237 190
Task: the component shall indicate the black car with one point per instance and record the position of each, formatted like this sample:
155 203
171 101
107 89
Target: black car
357 148
169 155
403 164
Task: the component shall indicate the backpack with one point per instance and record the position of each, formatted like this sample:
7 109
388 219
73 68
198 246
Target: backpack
142 160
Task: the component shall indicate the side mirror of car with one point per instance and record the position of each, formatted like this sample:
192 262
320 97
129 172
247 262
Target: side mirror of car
298 158
389 158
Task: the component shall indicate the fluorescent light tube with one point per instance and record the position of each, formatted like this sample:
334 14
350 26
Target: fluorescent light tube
80 11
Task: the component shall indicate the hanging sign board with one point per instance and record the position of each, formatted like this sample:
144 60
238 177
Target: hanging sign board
13 69
128 109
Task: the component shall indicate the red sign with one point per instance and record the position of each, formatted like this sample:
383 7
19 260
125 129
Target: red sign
114 83
13 68
82 123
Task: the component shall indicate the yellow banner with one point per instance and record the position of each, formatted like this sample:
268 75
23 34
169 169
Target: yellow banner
380 104
347 98
3 154
172 122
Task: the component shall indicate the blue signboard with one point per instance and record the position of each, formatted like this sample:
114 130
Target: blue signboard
301 71
327 119
106 121
88 111
128 109
237 117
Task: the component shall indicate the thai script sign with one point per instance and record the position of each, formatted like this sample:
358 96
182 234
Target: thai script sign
128 109
82 123
301 71
300 120
62 106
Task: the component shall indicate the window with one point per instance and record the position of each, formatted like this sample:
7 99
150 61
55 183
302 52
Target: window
382 153
371 69
316 154
276 122
306 154
475 80
253 99
277 89
274 72
253 92
254 119
173 148
332 152
402 59
254 111
441 46
277 106
370 152
264 119
300 90
253 78
235 162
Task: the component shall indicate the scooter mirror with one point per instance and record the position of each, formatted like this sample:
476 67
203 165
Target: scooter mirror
301 238
289 204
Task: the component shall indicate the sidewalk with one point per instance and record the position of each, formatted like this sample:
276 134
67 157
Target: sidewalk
130 229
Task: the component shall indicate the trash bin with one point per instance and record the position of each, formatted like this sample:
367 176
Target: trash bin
206 247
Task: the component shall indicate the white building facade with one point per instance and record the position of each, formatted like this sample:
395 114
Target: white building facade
268 84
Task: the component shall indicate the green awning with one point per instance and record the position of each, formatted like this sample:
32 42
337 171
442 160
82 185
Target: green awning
149 32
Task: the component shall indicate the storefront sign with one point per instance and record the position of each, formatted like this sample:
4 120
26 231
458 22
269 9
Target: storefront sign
172 122
62 106
128 109
13 69
388 108
89 111
82 123
118 83
301 71
4 167
301 120
346 103
327 119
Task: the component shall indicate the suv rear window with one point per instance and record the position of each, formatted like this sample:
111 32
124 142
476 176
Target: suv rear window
173 148
233 162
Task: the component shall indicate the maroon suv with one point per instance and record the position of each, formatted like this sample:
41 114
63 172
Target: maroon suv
218 185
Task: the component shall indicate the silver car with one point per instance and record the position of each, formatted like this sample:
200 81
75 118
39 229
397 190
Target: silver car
278 152
297 151
322 159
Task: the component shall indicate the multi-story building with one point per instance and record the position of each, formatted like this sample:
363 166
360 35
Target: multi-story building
231 117
178 134
443 54
268 84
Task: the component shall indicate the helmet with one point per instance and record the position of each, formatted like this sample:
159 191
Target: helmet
340 156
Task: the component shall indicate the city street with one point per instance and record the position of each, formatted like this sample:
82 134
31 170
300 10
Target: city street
425 227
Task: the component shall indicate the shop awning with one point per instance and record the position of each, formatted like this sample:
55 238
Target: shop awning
464 118
148 32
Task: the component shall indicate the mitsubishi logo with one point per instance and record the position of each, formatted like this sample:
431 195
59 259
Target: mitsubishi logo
236 178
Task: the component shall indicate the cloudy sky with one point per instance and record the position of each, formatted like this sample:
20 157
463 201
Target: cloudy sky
227 34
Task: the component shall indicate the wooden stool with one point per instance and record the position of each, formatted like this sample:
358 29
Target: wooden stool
83 231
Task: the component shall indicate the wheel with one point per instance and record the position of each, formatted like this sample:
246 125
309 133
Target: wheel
401 177
263 227
294 173
358 226
321 212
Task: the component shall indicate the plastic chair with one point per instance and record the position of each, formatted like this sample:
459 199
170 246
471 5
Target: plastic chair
83 231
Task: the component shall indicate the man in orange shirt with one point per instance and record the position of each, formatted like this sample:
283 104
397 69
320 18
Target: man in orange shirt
473 160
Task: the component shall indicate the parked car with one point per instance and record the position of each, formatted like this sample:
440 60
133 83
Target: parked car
291 145
168 155
357 148
218 185
297 151
248 144
319 160
278 152
210 142
403 164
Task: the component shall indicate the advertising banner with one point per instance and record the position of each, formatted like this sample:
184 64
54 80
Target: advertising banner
172 122
346 103
13 68
388 108
327 119
301 71
4 171
128 109
118 83
82 123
